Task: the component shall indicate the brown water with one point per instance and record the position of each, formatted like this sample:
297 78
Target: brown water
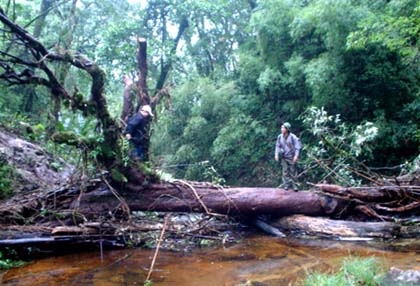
269 260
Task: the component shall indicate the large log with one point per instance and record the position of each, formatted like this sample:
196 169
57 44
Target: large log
321 226
183 196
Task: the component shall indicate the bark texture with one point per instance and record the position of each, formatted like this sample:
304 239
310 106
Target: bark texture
321 226
181 196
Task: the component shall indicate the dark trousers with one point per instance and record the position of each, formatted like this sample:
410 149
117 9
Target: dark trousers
289 174
137 152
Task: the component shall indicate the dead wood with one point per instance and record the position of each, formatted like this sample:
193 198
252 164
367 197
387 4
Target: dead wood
321 226
143 95
129 96
152 265
95 216
98 200
383 202
83 208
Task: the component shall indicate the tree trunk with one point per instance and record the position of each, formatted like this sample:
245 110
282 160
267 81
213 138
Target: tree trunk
143 96
317 226
128 108
183 196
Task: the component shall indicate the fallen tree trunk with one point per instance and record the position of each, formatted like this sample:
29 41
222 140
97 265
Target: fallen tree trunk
64 213
183 196
342 229
99 200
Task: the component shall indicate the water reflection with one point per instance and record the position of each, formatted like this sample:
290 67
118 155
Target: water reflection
271 261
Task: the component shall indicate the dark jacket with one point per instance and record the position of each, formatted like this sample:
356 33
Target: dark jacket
136 127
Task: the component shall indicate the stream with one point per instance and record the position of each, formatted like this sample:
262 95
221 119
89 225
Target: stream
264 259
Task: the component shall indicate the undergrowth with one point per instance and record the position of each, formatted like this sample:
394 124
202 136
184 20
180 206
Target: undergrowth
7 175
353 271
9 263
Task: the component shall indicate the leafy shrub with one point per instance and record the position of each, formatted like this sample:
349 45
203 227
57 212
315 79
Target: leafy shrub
338 148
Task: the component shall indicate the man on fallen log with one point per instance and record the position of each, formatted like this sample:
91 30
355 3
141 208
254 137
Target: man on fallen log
287 149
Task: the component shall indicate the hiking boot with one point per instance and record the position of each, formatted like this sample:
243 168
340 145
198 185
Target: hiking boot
283 186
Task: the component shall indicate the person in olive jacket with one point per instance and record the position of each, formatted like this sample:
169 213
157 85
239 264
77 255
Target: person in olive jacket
136 131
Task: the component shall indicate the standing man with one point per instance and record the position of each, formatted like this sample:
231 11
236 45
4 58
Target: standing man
136 130
287 149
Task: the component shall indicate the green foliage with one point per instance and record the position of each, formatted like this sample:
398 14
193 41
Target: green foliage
325 280
68 137
364 271
324 91
233 151
336 146
125 151
264 62
7 175
46 213
211 175
353 271
117 176
6 263
411 166
214 139
396 26
184 134
271 22
249 71
314 65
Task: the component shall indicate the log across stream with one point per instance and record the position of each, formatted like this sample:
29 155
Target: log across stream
101 213
54 207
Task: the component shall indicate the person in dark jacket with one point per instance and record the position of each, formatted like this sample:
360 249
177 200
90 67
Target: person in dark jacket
136 130
287 149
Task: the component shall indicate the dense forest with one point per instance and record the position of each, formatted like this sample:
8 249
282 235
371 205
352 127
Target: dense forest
222 77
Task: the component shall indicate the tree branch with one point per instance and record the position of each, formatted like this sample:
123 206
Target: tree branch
96 104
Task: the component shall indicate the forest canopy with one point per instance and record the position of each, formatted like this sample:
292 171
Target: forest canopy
345 74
